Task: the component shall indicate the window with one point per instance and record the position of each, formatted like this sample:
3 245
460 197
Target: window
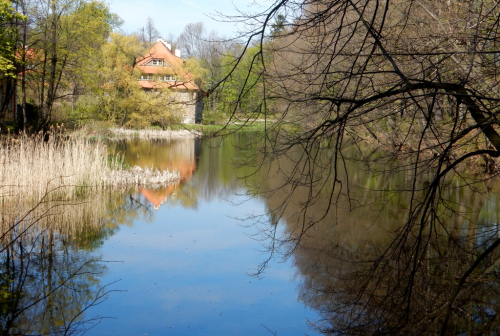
168 78
147 77
157 62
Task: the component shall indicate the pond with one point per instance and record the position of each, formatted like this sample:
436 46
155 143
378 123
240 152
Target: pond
211 255
186 262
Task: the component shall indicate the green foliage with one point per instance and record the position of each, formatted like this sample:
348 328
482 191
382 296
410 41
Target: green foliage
86 31
278 26
84 110
151 108
214 117
9 38
241 94
196 69
208 130
116 78
65 40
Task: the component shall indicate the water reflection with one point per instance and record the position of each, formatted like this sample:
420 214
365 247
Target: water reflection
46 286
181 156
366 273
206 166
184 261
56 272
50 268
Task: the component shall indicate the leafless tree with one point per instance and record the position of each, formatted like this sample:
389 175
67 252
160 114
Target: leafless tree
191 39
419 80
209 48
148 34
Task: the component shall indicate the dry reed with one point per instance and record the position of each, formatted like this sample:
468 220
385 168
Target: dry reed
32 166
55 183
138 177
120 133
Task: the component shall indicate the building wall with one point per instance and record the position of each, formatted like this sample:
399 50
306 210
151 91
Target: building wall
198 114
189 104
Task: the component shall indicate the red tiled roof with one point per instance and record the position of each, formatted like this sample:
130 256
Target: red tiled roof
174 67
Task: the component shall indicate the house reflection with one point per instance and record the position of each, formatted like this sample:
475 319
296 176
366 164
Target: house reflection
181 157
209 168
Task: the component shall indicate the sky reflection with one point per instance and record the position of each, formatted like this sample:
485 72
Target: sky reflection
187 273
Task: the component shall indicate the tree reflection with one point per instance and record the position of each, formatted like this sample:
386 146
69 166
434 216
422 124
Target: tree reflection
47 286
205 167
366 274
49 270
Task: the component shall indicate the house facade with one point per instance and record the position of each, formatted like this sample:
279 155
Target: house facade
162 68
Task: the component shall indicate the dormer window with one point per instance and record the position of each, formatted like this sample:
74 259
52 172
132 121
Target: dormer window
157 62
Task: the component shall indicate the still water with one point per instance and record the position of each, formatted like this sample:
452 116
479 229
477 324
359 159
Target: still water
183 259
185 264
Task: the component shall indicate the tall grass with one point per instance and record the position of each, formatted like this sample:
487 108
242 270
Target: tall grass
35 165
52 163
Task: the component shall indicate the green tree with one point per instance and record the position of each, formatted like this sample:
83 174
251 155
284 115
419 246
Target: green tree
9 44
278 26
241 93
9 38
64 36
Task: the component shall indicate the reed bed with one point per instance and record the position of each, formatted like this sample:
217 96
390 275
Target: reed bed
35 165
139 177
66 185
121 133
52 163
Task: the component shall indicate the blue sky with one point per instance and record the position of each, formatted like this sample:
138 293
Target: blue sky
171 16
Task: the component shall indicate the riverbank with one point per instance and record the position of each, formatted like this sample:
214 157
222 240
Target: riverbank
211 130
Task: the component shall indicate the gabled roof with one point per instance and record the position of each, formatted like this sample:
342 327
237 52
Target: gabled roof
173 66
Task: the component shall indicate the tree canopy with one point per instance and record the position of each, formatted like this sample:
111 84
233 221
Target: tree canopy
9 37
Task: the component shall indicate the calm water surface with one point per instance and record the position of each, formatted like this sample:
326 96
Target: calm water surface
185 263
181 260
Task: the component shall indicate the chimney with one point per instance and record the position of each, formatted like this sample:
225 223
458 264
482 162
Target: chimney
169 47
178 53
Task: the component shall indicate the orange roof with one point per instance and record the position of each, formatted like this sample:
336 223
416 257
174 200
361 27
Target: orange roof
172 66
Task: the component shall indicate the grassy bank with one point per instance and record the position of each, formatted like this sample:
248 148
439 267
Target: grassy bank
107 131
210 130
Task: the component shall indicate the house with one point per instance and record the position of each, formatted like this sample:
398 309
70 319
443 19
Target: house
162 68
